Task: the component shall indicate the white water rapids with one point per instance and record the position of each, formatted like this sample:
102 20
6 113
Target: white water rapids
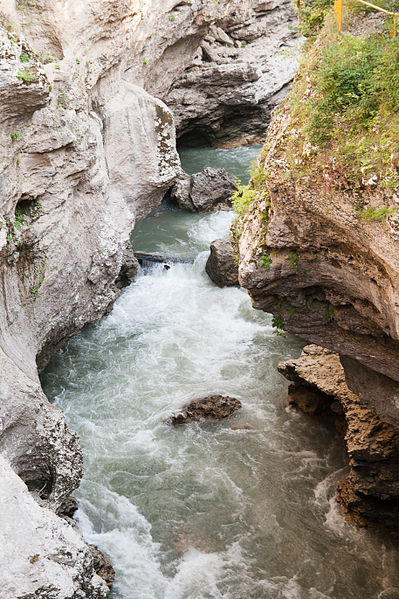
205 511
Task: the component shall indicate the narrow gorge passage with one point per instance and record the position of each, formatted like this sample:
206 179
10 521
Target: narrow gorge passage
205 511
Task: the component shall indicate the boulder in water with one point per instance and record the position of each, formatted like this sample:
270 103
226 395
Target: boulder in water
204 191
213 407
221 266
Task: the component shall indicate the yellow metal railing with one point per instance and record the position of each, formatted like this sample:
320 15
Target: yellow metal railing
338 10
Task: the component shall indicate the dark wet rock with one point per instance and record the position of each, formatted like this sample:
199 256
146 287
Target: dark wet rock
102 565
148 260
212 187
221 266
68 507
128 269
213 407
204 191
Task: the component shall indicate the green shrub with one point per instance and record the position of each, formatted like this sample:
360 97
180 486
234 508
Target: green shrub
376 214
266 261
24 58
27 75
346 79
242 198
15 135
311 15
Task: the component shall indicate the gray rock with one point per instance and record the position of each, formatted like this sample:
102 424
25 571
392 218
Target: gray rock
212 187
181 192
213 407
204 191
41 555
128 271
221 265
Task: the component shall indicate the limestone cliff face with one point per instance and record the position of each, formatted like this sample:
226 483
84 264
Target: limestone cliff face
86 150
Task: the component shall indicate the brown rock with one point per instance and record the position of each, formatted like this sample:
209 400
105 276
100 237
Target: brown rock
221 265
213 407
370 493
102 565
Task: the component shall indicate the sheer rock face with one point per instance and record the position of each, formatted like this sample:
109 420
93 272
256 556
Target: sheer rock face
370 492
334 279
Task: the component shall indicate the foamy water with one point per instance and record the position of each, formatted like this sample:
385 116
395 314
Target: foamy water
205 511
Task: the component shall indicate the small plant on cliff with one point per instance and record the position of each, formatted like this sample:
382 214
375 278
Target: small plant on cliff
242 198
172 17
39 276
15 135
293 260
278 324
24 58
27 75
376 214
266 261
328 313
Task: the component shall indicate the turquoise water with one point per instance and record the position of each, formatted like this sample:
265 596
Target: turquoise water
205 511
236 161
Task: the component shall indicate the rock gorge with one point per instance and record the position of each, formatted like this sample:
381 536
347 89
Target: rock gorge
88 147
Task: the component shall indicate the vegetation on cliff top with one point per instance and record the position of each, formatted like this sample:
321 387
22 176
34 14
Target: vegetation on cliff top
338 130
344 104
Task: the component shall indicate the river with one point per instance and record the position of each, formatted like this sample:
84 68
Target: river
205 511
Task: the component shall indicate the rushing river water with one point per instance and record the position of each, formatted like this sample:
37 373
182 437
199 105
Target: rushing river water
205 511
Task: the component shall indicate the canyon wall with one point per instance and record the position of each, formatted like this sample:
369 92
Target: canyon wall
319 245
88 147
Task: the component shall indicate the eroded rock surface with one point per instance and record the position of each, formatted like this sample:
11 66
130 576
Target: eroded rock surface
221 265
204 191
234 75
102 565
370 493
213 407
333 279
54 563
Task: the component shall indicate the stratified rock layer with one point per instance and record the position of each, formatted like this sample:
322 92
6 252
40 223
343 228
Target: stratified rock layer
333 279
370 493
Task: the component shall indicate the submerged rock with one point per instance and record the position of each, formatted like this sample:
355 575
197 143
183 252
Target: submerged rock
204 191
213 407
221 265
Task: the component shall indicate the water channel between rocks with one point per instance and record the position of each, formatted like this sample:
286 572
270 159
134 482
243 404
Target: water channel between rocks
205 511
